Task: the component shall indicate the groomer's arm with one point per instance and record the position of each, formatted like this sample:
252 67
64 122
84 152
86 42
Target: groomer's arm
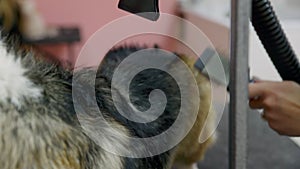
281 104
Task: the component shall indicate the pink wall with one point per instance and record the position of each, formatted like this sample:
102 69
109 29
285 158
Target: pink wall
90 16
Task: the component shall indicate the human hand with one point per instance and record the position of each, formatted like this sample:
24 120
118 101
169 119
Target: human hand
281 104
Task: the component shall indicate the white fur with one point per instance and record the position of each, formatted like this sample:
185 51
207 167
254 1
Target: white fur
14 85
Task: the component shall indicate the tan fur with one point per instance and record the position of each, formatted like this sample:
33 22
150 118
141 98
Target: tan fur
8 12
32 24
190 150
24 15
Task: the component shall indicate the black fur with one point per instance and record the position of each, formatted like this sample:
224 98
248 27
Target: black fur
57 103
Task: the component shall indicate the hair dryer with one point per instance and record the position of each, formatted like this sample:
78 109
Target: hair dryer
145 8
265 23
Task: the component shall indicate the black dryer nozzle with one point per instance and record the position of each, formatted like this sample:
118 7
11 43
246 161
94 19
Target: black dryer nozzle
148 9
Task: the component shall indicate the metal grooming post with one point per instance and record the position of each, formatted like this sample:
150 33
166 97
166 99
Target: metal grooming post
239 78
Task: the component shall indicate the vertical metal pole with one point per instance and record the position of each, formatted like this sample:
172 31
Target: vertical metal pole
240 16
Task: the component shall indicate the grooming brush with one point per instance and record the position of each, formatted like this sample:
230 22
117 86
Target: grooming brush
209 61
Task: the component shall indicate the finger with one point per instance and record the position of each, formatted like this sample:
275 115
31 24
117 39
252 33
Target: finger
263 116
256 104
256 90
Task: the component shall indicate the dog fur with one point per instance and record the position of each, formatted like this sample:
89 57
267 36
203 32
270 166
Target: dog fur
39 127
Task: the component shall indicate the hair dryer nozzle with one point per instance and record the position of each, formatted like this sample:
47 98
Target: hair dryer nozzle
148 9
